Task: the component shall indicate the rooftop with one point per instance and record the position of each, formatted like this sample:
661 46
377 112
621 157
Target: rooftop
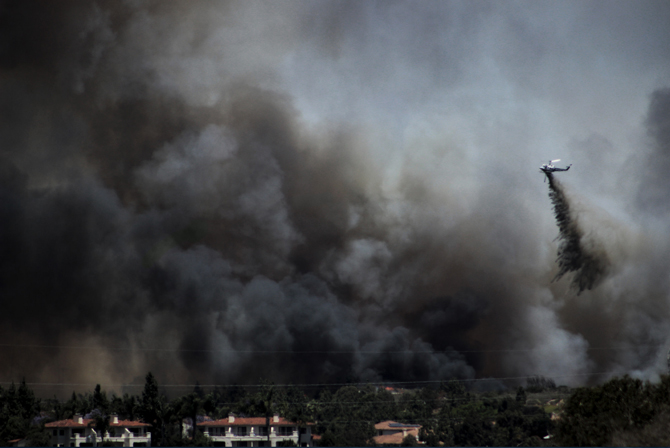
391 425
71 423
249 421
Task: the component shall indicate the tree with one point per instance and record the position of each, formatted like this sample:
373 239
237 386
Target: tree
653 434
592 415
429 433
521 395
453 390
130 407
409 440
59 411
29 406
100 400
537 384
345 417
418 405
153 407
477 431
298 408
101 424
18 406
265 404
191 405
71 405
38 436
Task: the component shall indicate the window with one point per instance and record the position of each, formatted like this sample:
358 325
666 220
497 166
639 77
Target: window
62 432
262 430
286 430
55 432
241 431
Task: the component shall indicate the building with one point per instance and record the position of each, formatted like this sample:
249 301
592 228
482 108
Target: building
79 431
251 431
392 433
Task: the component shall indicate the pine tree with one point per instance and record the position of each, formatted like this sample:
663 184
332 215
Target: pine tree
153 407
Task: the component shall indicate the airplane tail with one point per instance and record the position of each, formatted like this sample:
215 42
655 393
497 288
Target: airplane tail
568 167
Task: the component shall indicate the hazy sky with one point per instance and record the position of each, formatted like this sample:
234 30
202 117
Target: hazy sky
323 191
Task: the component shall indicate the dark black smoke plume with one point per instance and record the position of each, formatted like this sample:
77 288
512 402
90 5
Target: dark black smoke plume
205 190
146 228
588 264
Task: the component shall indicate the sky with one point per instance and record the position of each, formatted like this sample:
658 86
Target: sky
330 191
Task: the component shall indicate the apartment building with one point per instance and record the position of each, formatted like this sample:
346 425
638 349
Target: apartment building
252 431
79 431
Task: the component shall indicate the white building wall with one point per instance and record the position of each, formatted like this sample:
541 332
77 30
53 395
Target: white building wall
229 436
126 437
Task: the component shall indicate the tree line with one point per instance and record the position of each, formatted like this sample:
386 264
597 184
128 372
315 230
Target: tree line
622 411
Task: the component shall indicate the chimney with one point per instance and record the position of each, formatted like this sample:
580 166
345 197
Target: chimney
115 419
275 418
231 418
79 419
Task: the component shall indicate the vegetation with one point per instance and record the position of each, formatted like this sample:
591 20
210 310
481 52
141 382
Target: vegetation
623 411
19 416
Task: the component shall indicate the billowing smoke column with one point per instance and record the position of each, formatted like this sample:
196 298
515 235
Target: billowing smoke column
585 259
204 236
182 190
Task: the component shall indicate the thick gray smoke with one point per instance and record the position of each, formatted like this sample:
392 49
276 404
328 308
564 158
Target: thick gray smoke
575 253
327 191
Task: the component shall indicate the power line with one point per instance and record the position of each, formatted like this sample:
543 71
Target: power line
305 385
303 352
446 400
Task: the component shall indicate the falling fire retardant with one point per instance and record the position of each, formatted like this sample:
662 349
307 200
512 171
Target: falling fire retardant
576 253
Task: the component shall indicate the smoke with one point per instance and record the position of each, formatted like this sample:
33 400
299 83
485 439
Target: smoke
575 254
325 192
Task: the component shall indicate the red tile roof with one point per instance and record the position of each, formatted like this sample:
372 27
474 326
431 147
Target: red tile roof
129 424
396 426
397 437
71 423
391 439
249 421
